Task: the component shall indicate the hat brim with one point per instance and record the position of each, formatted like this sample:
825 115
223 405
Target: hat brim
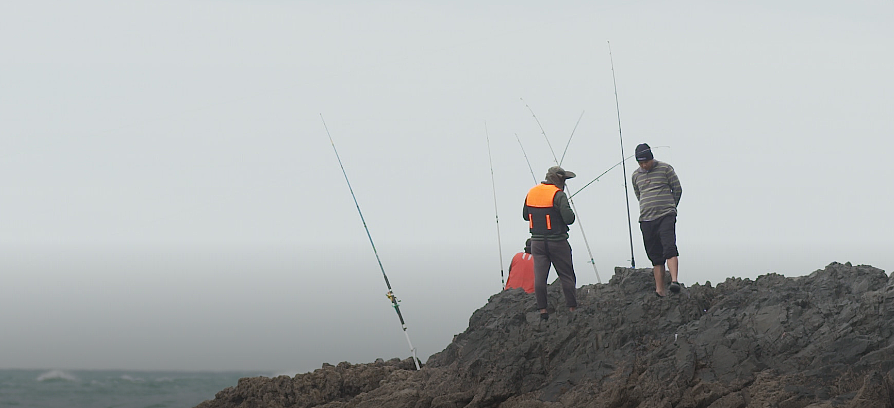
570 174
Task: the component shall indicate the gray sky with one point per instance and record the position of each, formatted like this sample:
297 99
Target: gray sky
170 198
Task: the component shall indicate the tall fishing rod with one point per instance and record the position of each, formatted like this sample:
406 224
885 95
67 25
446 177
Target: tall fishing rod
526 158
626 195
390 294
579 223
496 214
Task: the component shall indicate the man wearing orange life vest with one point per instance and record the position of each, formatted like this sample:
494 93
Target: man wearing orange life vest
549 213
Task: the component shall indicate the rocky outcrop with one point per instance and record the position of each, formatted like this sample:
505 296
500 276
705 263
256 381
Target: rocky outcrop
819 341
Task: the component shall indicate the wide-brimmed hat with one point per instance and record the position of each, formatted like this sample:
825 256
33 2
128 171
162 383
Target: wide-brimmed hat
559 173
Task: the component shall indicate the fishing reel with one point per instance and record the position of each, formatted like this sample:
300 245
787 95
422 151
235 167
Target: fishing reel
390 295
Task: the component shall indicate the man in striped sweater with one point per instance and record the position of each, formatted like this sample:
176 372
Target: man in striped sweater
658 190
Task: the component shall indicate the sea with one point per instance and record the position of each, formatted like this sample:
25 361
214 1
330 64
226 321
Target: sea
113 389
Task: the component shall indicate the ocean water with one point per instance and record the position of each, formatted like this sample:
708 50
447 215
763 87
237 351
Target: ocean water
112 389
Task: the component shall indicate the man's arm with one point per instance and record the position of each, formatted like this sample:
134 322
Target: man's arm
635 186
674 182
560 201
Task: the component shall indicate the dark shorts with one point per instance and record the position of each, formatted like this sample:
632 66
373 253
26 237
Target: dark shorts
660 238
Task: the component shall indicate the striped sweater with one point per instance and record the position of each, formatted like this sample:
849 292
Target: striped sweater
657 190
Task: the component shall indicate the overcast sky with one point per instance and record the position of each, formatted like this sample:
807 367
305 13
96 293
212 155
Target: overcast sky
170 198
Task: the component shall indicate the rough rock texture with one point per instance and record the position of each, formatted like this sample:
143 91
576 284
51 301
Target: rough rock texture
819 341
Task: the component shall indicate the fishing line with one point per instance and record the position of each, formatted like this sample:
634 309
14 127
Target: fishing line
390 294
626 195
496 214
610 169
579 223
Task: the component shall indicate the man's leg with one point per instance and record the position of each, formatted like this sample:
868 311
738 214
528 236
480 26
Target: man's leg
672 265
658 271
541 272
667 234
654 251
560 252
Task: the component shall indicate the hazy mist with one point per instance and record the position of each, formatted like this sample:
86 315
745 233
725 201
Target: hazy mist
170 198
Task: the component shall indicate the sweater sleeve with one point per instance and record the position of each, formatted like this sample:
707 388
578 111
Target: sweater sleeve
560 201
635 186
674 182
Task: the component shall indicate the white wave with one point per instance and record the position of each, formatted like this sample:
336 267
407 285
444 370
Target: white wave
126 377
56 375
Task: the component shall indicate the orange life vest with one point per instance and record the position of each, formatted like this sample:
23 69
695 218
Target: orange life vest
543 218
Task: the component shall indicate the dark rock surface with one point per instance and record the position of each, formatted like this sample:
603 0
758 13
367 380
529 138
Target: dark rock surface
819 341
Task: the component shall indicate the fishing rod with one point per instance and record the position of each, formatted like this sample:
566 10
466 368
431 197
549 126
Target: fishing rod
610 169
390 294
579 223
543 132
626 195
571 137
526 158
496 214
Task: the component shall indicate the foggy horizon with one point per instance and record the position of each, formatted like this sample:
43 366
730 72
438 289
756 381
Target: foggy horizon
171 199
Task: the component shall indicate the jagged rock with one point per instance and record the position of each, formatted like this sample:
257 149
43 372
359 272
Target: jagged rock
328 385
821 341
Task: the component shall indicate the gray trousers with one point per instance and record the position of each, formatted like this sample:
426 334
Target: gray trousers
557 253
